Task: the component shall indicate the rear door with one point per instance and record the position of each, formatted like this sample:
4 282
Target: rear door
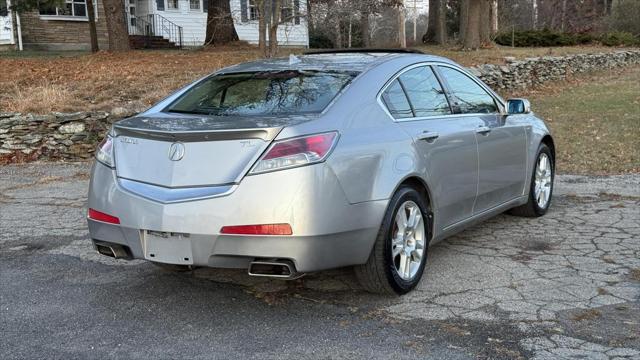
446 142
501 144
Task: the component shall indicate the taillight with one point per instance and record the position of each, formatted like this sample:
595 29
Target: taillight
104 153
100 216
296 152
263 229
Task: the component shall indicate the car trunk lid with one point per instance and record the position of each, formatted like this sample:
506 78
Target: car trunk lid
184 151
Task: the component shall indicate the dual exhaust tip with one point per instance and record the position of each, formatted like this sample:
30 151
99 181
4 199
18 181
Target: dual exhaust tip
279 269
113 250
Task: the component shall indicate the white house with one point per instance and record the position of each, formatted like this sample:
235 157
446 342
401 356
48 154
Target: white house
186 20
151 23
6 26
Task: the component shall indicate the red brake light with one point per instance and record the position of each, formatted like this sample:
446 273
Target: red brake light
316 144
100 216
296 152
264 229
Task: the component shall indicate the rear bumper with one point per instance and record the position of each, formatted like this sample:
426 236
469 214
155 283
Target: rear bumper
328 232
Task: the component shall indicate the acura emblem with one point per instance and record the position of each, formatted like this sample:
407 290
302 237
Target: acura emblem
176 151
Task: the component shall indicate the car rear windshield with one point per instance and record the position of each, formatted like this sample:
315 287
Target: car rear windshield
263 93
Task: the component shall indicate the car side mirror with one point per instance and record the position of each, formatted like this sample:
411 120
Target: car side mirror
518 106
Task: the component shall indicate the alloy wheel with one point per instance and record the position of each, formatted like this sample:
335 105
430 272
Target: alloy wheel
543 183
408 240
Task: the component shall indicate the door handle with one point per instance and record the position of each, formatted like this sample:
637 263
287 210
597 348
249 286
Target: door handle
484 130
428 136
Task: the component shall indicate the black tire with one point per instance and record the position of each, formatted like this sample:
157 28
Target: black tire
531 208
173 267
378 274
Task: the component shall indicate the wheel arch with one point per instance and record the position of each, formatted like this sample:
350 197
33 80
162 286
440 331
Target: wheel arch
422 187
548 140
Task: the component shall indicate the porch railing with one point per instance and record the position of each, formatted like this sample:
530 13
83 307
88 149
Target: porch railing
155 25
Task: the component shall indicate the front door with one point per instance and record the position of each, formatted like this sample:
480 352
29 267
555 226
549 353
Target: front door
502 156
6 28
446 142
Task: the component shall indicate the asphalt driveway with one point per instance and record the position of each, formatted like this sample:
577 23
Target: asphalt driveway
563 286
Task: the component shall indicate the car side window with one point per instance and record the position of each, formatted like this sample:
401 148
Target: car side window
425 93
468 96
396 101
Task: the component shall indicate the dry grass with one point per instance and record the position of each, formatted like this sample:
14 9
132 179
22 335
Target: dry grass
590 314
45 82
103 81
595 121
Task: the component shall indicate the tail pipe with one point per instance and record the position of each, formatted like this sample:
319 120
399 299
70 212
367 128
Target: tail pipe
113 250
280 269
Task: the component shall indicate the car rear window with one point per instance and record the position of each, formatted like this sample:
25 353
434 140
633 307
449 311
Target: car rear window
263 93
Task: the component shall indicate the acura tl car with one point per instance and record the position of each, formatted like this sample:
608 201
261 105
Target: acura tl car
288 166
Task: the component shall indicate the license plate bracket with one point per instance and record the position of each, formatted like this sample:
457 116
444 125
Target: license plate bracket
167 247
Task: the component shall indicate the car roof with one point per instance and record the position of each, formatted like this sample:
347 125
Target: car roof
355 61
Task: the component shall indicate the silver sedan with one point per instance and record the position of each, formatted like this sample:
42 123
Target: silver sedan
289 166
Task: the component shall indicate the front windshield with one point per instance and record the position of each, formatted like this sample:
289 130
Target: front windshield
263 93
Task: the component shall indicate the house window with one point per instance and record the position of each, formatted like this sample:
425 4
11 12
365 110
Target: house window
286 11
194 4
69 9
254 13
173 5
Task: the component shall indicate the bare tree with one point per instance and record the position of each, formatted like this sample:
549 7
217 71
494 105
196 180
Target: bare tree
485 22
437 25
116 25
402 31
220 29
464 18
471 39
93 33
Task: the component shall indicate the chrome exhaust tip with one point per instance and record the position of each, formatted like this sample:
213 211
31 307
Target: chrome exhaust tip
112 250
279 269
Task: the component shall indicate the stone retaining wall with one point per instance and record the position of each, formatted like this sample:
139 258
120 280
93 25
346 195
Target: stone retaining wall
55 136
74 136
523 74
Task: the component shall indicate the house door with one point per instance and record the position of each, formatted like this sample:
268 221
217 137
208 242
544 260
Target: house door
6 28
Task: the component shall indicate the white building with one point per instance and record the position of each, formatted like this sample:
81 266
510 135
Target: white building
6 26
188 19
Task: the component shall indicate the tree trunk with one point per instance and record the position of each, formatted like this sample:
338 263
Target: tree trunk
220 29
563 19
402 30
273 28
534 14
262 26
364 28
441 24
494 17
349 37
464 18
472 34
485 23
93 34
310 16
430 36
338 34
116 25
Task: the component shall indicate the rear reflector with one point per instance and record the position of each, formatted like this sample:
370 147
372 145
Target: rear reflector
100 216
265 229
